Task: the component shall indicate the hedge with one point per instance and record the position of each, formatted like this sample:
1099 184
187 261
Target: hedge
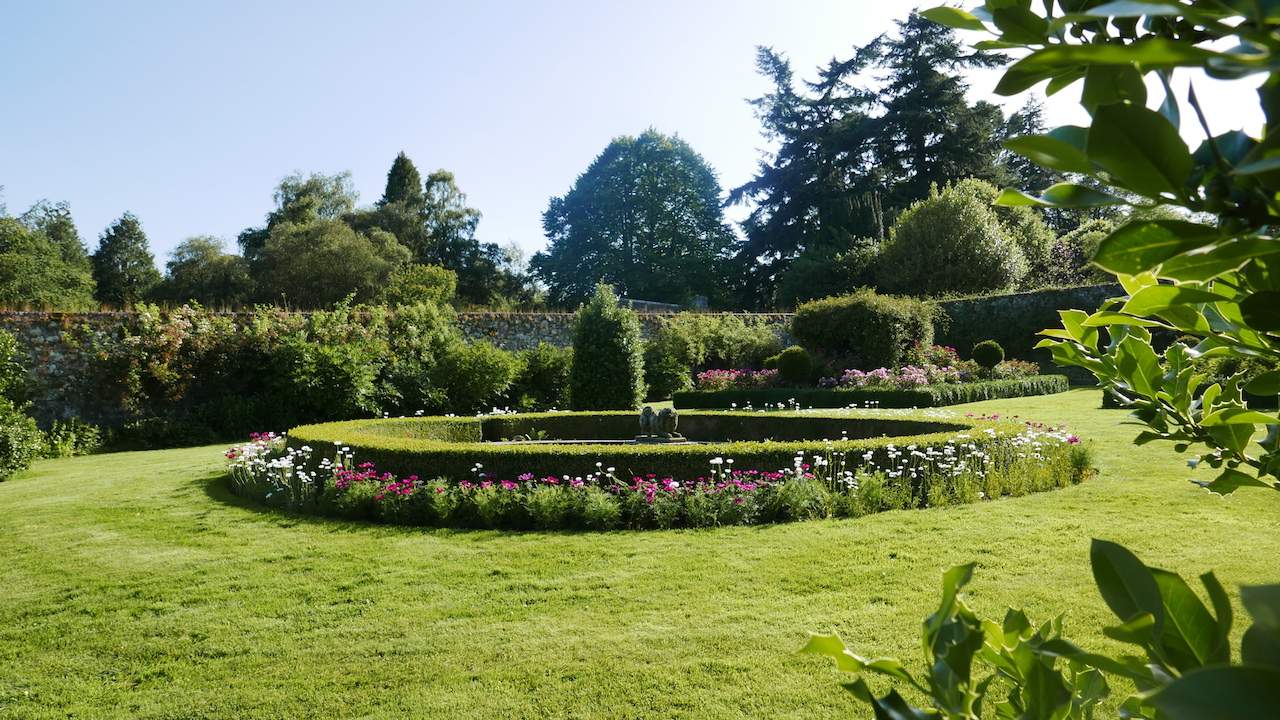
1014 320
922 397
451 447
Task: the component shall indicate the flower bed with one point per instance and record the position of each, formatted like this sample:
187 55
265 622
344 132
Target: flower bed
976 458
877 396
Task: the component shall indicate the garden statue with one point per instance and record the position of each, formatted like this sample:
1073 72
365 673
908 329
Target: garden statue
648 422
667 422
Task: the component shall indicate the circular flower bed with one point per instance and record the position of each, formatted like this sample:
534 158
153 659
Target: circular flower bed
580 470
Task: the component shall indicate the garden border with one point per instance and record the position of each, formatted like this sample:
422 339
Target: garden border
923 397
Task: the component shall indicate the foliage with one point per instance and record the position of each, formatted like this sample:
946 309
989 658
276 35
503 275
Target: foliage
123 268
950 242
688 342
964 322
476 375
1212 282
543 380
1025 226
608 355
826 483
69 438
200 271
1015 668
414 284
864 329
21 441
819 274
987 353
1071 252
936 395
43 262
795 367
319 263
645 217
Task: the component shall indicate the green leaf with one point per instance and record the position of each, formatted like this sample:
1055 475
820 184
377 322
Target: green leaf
1190 632
1263 604
1155 298
1223 612
1267 164
1238 416
1261 642
1048 62
1126 585
1234 437
1221 693
1139 149
953 18
1205 263
1268 383
1138 631
1105 318
1141 245
1050 152
833 647
1108 84
1261 310
1020 25
1131 8
890 707
1065 195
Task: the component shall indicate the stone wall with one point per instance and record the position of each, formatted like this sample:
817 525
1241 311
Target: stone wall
523 330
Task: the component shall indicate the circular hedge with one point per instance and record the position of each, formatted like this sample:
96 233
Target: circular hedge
451 447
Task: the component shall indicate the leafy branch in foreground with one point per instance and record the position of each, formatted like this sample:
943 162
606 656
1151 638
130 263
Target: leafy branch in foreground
976 667
1214 284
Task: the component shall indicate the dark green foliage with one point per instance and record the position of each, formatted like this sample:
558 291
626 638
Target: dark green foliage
608 355
645 216
818 274
200 271
987 353
318 263
771 362
404 183
689 342
43 262
795 367
413 284
543 380
123 267
21 441
927 396
1071 252
950 242
865 329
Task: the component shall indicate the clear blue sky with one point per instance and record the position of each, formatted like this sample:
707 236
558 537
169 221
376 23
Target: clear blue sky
189 114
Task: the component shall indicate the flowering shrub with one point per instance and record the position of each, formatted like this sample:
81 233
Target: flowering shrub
726 379
830 483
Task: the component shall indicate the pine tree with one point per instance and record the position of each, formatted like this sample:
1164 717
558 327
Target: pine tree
404 184
123 267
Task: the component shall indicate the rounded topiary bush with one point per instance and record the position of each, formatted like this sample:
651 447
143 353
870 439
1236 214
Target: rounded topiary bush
867 329
987 353
795 366
608 356
950 242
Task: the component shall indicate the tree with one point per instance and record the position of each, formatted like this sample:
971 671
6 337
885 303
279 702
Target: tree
33 271
646 217
414 283
1024 225
199 269
608 355
55 221
404 184
301 199
123 266
928 132
315 264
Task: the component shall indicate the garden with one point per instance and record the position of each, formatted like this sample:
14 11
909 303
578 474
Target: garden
364 510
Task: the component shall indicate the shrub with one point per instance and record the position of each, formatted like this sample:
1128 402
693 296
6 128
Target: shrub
771 362
865 329
20 439
817 274
926 396
1024 225
69 438
542 382
795 368
475 376
688 342
988 354
950 242
413 284
608 368
1071 252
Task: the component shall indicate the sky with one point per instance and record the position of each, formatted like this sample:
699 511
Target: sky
188 114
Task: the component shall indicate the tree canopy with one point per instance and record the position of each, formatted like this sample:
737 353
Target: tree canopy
644 217
123 266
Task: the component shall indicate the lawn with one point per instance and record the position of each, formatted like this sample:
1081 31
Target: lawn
133 585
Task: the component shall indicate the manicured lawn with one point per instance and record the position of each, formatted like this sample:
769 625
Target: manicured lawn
132 585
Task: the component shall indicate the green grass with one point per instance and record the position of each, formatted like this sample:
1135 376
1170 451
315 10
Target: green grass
133 585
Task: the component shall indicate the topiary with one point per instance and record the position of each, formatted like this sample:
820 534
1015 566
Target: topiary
866 329
987 353
608 367
795 367
950 242
771 362
476 375
543 380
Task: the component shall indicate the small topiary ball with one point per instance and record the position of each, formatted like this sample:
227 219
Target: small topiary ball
794 366
988 354
771 362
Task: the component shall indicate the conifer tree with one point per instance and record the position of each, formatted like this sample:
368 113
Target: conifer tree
123 266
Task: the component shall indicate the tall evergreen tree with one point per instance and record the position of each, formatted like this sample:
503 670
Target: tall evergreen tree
928 132
123 266
404 184
646 217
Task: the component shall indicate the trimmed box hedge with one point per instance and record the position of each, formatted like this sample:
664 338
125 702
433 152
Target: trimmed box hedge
922 397
433 447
